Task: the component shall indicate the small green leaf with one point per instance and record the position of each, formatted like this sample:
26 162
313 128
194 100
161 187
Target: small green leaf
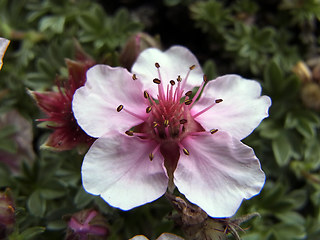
32 232
36 204
282 149
306 128
273 77
57 225
82 198
210 69
53 23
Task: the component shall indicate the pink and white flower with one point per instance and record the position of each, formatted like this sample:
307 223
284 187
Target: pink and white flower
4 43
152 133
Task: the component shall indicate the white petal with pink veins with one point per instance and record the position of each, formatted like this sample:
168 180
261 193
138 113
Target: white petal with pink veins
118 168
95 104
218 174
242 108
175 61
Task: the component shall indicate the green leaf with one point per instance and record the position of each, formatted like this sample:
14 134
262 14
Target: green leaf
31 233
282 149
53 23
82 198
36 204
56 225
210 69
273 77
306 128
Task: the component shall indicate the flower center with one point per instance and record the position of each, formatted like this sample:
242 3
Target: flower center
169 120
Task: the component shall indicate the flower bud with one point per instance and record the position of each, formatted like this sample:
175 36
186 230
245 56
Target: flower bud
310 95
7 213
87 225
303 72
134 46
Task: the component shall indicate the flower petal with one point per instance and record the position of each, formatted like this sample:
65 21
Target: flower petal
174 62
4 43
241 110
169 236
118 168
219 172
95 104
139 237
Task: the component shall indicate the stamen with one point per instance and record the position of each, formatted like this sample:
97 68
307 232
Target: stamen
134 77
133 114
199 90
183 121
119 108
157 81
207 108
129 133
205 79
185 151
213 131
188 102
148 109
151 155
155 124
189 93
166 123
132 133
146 94
172 82
179 79
192 67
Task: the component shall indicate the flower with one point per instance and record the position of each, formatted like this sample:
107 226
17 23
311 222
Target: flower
19 137
87 224
134 46
151 132
7 213
4 43
163 236
57 105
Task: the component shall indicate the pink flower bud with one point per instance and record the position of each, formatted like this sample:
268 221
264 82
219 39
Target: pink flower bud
134 46
57 105
87 225
7 213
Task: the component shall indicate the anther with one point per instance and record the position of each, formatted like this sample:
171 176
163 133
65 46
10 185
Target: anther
148 109
192 67
151 156
213 131
157 81
134 77
189 93
119 108
185 151
183 121
157 65
188 102
218 100
172 82
129 133
146 94
179 79
155 124
205 79
166 123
